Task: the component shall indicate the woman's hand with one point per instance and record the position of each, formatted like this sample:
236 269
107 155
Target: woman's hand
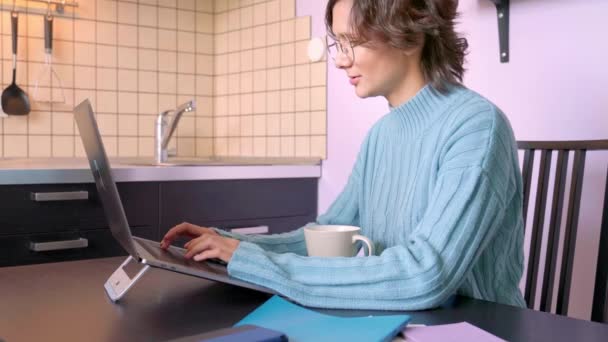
206 243
184 229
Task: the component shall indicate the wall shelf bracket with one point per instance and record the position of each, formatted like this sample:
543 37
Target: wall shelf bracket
502 13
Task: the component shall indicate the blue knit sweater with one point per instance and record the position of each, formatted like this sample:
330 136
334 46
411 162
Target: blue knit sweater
437 187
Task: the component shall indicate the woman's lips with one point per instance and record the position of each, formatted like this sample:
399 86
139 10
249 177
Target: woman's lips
354 80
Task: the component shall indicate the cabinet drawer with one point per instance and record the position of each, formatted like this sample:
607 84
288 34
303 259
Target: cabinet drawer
65 207
213 201
17 249
276 225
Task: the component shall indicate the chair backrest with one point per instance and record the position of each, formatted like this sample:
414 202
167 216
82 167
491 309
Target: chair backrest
563 150
599 313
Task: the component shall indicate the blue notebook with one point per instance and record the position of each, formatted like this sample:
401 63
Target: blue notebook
249 333
301 324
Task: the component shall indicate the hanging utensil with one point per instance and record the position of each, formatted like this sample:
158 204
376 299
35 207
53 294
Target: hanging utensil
47 69
14 100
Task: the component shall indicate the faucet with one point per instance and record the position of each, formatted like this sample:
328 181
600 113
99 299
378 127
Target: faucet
162 134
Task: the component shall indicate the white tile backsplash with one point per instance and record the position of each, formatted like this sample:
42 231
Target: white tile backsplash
243 61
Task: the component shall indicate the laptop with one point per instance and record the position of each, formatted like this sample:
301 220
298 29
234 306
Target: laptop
144 251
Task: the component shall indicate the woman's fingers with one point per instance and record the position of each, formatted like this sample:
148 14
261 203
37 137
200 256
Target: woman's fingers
208 254
199 244
182 229
211 246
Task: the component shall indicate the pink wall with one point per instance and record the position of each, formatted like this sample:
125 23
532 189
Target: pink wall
554 87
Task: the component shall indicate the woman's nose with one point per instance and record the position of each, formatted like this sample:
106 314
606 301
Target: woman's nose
343 61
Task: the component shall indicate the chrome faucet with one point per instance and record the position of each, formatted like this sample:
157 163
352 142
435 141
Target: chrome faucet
163 135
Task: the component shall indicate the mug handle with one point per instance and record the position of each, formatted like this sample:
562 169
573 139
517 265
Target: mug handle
370 247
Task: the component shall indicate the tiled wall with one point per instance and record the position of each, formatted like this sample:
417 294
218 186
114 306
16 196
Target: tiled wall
269 99
256 95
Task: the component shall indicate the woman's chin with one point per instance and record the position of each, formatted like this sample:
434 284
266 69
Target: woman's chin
361 92
364 93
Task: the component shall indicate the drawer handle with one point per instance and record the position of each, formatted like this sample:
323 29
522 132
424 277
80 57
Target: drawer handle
58 245
250 230
60 196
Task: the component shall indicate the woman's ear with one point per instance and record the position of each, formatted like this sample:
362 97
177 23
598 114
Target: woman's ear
409 52
414 50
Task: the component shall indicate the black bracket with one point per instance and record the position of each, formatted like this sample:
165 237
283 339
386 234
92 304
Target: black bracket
502 12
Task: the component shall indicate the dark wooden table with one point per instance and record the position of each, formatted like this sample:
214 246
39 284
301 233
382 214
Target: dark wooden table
66 302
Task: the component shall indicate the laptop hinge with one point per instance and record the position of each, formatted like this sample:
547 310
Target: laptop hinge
119 282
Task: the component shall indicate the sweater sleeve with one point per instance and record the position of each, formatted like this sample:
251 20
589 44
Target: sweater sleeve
463 215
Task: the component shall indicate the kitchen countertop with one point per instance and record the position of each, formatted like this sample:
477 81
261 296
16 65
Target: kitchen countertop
76 170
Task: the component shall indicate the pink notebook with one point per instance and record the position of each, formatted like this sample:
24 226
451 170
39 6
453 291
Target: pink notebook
449 332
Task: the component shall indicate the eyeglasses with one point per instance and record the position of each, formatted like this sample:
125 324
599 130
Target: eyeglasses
344 46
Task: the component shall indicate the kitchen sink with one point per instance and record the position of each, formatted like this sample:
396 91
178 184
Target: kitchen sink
202 161
143 161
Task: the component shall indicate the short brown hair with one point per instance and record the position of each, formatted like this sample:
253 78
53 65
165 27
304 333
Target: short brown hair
404 24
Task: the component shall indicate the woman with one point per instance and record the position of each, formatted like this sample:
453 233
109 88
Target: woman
436 184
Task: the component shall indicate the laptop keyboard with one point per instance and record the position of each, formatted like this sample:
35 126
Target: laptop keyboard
173 255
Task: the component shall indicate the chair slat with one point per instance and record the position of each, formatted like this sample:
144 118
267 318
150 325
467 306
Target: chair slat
563 294
557 202
599 312
587 145
527 176
553 265
537 227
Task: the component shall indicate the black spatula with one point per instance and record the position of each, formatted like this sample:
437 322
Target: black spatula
14 100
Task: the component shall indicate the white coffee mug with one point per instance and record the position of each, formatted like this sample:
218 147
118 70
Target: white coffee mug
334 240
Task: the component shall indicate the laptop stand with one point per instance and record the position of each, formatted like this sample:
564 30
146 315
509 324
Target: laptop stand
119 282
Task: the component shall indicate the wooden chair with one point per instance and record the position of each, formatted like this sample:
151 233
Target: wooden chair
599 312
563 150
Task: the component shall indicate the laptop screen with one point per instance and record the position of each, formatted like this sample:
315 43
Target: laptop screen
100 166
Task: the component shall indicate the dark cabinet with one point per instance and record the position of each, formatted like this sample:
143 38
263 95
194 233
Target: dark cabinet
280 205
64 207
97 243
57 222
